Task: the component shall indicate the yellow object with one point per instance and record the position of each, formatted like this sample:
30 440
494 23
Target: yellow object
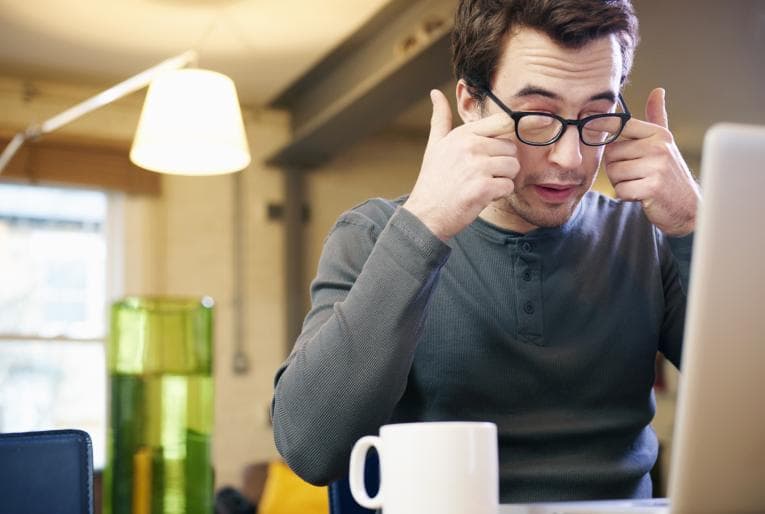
142 481
603 184
287 493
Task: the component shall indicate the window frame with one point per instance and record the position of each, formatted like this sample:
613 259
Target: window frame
113 234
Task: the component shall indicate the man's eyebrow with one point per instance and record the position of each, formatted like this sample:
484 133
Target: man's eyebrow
605 95
538 91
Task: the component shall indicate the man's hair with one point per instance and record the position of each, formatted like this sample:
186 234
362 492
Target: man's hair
481 28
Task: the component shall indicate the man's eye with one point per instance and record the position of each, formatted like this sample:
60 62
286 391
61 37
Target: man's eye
533 121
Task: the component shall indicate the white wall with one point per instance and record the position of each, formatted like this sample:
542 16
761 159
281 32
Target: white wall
385 165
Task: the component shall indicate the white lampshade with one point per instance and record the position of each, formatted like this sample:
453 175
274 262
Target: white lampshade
191 124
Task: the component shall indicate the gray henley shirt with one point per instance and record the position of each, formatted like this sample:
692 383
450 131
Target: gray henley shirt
552 335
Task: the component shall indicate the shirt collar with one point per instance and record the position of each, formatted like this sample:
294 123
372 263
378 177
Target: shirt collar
501 235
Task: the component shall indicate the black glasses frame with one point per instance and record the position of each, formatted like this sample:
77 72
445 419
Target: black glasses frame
579 124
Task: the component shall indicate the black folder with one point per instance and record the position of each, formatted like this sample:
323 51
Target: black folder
46 472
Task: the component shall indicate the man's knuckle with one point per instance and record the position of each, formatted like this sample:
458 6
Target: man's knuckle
473 166
473 146
486 192
653 186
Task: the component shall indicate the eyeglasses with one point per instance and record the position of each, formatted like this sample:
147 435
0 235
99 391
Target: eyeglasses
541 128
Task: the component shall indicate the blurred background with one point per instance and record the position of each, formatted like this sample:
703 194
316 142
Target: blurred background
335 103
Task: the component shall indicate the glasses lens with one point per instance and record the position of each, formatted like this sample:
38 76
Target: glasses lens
538 128
601 130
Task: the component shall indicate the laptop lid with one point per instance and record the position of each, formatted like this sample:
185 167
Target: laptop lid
718 460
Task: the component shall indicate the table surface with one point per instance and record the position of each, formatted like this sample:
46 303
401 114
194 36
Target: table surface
648 506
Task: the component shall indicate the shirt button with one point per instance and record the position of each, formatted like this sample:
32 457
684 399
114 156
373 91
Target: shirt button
526 246
527 275
528 308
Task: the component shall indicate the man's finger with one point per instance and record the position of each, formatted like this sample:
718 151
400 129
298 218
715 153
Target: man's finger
441 120
624 171
501 187
656 109
632 190
638 129
507 167
495 125
623 151
498 146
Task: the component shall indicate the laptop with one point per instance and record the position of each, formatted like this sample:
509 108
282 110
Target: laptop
718 457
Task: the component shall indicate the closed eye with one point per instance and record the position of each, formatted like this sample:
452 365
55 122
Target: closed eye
593 113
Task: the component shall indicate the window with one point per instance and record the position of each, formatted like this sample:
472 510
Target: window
53 310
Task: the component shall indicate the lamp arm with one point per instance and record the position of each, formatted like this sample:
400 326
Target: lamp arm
11 149
115 92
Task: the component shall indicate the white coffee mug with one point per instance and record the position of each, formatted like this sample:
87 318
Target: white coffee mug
435 467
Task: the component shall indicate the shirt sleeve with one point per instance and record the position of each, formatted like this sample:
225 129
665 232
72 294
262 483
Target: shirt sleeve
349 366
682 251
676 268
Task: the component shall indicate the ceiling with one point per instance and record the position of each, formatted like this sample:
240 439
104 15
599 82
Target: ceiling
708 54
263 45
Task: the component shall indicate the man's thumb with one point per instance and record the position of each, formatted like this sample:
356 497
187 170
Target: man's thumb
441 121
656 109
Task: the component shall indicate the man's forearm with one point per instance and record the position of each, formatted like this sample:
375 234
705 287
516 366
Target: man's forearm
349 367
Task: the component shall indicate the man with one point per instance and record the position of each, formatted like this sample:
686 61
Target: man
500 289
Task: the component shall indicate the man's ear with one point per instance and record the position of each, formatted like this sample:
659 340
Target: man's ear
468 106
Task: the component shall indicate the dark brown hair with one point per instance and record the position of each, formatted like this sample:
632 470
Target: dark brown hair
482 26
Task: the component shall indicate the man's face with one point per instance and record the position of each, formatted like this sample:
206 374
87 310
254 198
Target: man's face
535 74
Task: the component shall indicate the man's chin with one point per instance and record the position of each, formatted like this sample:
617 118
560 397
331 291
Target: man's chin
544 216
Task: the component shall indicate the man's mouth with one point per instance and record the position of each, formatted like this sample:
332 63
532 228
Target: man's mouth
555 193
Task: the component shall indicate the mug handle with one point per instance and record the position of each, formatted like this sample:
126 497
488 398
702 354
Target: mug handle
356 472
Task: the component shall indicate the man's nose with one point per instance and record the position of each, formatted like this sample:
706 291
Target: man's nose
566 152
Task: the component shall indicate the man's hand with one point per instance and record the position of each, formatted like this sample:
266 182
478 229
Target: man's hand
463 170
647 167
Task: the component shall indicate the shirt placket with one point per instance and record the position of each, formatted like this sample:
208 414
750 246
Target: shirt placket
528 303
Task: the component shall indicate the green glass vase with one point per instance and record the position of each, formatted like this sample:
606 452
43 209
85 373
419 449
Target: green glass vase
161 407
